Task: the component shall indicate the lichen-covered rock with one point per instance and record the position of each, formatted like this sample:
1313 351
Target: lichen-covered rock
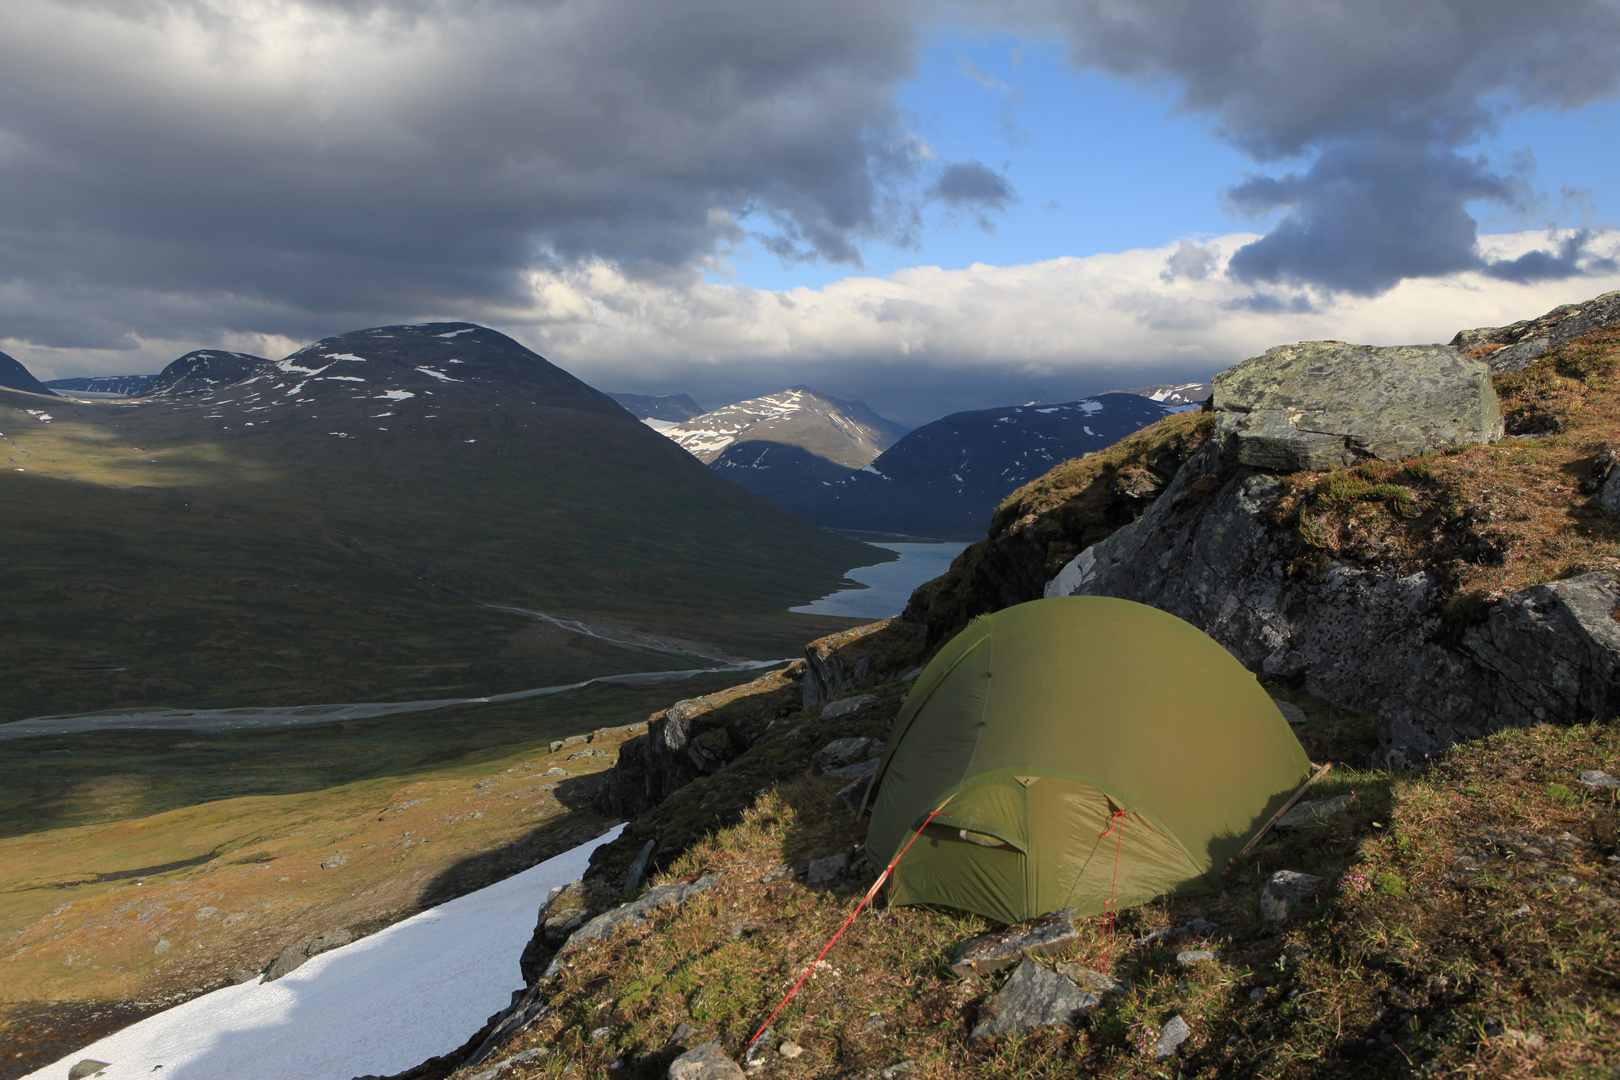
632 914
841 752
1044 936
860 657
1285 891
706 1062
1323 404
1034 998
1171 1036
1511 348
1208 552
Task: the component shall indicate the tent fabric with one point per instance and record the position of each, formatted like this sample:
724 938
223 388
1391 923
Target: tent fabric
1040 726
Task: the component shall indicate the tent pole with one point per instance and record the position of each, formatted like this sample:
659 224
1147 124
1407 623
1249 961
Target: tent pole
1287 806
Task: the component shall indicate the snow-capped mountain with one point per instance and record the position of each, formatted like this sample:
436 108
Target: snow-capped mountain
1192 393
200 372
102 384
946 478
844 433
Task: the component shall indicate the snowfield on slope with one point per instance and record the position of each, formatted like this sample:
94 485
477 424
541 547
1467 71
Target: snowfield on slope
387 1002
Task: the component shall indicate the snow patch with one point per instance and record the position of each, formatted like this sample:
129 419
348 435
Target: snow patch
377 1006
395 395
289 367
341 378
437 374
453 333
345 356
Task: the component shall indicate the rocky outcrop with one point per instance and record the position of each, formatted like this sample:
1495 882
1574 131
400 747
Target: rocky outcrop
1209 551
1322 404
1033 998
1511 348
859 657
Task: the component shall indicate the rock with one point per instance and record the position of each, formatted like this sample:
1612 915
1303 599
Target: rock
332 862
1034 998
760 1049
706 1062
1519 912
854 793
790 1050
600 1033
1171 1036
289 961
853 659
327 940
846 706
86 1067
1511 348
516 1059
593 752
1322 404
638 868
1094 981
632 914
1194 956
827 868
556 771
841 753
1594 780
1044 936
1291 712
1309 810
1284 892
681 1033
572 740
778 873
1609 494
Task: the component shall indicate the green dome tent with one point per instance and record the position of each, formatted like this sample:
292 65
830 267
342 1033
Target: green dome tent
1042 726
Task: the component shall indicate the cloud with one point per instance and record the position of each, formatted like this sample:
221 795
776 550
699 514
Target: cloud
1382 96
974 188
1570 258
285 165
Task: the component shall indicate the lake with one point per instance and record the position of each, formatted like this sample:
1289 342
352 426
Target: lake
887 585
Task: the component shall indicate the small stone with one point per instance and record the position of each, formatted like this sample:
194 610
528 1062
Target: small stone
1522 909
555 771
745 930
681 1033
87 1067
899 1068
790 1050
854 793
874 1022
600 1033
1310 810
834 710
1034 998
1565 881
706 1062
485 784
1285 891
1526 1038
332 862
1171 1036
591 753
1291 712
1044 936
1095 981
843 752
289 961
1595 780
1257 995
760 1049
777 873
828 868
1194 956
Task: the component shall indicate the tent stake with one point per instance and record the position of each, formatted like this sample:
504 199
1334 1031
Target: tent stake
1287 806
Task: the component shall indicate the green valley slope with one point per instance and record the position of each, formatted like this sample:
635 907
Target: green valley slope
334 527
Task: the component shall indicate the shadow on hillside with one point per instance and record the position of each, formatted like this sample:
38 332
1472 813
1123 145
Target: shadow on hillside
580 821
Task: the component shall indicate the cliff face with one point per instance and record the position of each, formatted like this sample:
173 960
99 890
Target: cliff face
1464 589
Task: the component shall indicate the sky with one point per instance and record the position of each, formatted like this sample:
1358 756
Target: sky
929 206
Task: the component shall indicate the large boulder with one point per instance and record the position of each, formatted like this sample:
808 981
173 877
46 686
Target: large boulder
1511 348
1034 998
1323 404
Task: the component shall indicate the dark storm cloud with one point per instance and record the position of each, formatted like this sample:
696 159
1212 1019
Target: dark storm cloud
1385 95
972 184
1567 260
173 167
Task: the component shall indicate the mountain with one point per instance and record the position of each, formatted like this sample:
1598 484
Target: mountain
334 526
1193 393
103 384
16 377
845 433
669 407
202 371
946 478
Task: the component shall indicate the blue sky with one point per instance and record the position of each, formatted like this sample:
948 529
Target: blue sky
1100 165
